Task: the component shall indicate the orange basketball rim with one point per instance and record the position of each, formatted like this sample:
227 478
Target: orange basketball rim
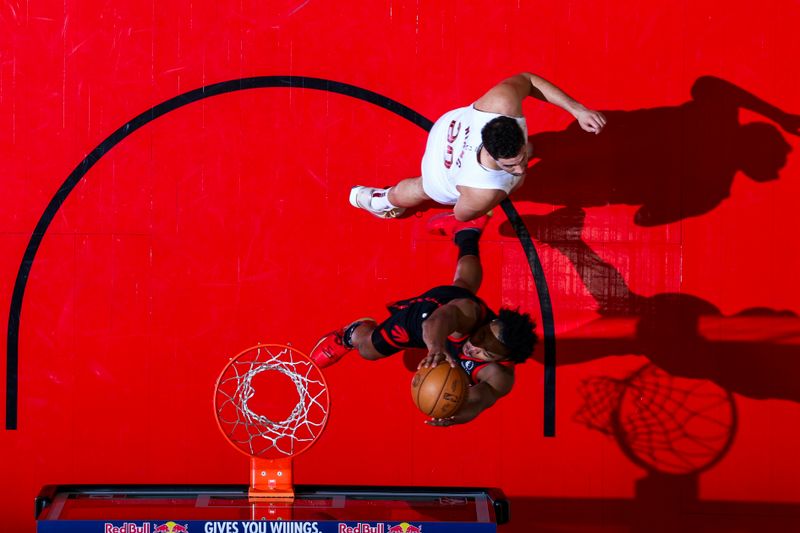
271 403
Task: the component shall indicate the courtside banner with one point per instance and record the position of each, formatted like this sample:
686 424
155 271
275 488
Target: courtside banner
258 526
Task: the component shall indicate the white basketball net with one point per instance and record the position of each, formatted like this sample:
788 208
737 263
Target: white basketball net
255 433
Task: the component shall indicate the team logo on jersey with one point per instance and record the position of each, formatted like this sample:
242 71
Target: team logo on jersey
467 365
399 334
452 133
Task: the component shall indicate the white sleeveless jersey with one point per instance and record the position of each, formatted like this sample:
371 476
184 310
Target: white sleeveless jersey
451 156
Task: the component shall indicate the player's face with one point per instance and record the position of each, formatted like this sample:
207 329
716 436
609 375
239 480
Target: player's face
485 344
516 165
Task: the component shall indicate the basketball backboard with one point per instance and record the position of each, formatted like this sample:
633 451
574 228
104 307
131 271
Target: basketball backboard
227 509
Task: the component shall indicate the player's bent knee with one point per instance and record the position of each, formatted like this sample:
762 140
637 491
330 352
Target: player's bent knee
379 345
362 342
368 351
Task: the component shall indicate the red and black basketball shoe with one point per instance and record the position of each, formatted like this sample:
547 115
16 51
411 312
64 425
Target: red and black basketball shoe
331 347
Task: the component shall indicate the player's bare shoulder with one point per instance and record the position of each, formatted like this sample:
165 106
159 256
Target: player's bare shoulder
506 97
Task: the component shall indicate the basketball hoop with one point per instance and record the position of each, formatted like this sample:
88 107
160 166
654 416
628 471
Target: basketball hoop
268 425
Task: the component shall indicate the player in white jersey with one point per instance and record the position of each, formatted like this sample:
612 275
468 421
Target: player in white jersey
475 155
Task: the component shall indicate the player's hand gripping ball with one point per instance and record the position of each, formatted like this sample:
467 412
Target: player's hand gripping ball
439 391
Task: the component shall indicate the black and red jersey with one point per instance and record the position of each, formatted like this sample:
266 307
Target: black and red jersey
403 328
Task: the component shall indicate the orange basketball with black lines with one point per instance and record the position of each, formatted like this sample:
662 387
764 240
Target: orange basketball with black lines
439 391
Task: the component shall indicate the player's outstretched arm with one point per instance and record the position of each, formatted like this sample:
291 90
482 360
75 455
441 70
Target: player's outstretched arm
506 98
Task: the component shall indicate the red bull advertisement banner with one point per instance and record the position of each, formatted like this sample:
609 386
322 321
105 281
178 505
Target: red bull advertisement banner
258 526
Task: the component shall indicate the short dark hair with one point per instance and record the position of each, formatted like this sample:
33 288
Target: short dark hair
502 137
517 334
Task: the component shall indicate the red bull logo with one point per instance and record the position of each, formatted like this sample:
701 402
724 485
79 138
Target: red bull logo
361 528
404 527
171 527
127 527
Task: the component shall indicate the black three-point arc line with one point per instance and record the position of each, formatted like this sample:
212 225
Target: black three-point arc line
12 351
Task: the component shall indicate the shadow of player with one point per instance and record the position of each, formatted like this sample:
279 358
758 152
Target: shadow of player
674 161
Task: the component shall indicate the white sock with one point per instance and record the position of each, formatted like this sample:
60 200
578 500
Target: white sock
380 201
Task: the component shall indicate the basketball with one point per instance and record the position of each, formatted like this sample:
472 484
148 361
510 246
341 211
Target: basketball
439 391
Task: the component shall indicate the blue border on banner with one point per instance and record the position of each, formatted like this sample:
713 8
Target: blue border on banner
258 526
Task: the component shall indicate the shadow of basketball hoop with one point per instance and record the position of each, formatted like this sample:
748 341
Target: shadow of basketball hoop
663 423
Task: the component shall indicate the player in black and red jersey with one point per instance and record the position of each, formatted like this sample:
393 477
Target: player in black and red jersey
453 323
